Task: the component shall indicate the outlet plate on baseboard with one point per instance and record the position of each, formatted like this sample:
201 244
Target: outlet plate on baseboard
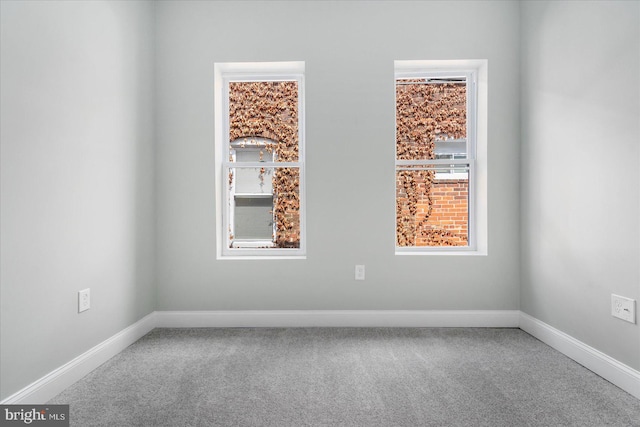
623 308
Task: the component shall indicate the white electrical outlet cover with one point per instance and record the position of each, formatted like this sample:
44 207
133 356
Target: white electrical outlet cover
623 308
84 300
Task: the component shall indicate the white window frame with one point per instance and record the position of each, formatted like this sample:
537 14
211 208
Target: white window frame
253 71
475 72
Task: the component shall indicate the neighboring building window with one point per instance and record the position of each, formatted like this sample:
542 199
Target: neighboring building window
437 205
260 159
251 215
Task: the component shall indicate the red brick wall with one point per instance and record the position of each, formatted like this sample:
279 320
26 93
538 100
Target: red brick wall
449 219
441 218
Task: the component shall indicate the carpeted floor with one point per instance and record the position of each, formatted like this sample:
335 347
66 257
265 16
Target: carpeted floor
345 377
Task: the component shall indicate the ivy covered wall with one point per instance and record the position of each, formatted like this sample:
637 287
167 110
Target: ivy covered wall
270 110
426 113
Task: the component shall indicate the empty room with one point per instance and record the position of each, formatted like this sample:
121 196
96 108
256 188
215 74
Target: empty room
319 213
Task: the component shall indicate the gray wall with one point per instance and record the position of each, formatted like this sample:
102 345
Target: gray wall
349 49
580 182
77 179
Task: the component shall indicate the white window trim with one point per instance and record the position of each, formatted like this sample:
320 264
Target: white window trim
253 71
477 135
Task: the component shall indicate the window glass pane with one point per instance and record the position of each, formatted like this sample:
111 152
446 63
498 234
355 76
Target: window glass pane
268 195
286 207
432 205
248 156
253 181
457 147
267 109
252 149
253 218
430 118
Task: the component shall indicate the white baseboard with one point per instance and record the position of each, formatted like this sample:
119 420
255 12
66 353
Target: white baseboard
59 379
339 318
56 381
607 367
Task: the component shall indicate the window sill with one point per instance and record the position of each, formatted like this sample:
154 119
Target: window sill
444 252
259 257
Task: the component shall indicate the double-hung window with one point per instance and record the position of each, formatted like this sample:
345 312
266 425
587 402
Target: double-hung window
440 166
259 109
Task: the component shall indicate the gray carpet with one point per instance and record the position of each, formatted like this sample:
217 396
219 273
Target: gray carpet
345 377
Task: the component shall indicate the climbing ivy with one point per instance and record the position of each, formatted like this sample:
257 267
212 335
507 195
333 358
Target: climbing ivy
270 110
424 113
